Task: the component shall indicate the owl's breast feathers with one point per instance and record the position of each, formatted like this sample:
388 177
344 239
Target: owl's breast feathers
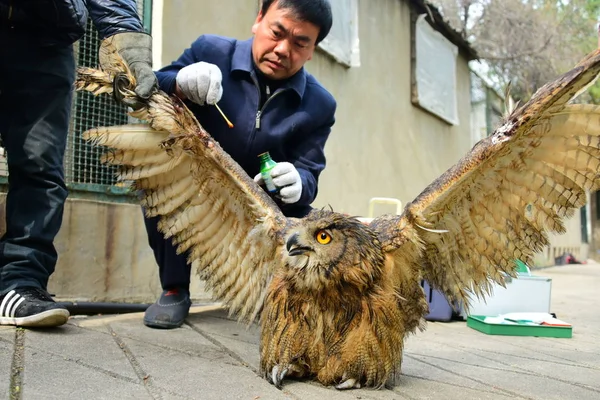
351 326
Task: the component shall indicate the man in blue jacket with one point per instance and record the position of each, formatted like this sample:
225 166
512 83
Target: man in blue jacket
37 71
274 105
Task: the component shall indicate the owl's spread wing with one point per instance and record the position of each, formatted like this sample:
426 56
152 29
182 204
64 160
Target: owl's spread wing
207 204
497 204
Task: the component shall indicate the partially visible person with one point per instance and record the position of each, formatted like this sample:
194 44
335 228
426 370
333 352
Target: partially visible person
37 71
274 104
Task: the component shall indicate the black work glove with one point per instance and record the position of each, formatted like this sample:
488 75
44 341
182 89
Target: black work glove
136 50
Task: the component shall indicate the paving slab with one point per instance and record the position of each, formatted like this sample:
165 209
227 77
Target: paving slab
217 376
82 347
7 334
528 356
185 362
51 376
513 380
214 357
240 339
430 388
6 352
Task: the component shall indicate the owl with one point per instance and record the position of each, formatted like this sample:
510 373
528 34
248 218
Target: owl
335 298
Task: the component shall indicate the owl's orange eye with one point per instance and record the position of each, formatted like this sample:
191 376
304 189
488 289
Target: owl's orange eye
323 237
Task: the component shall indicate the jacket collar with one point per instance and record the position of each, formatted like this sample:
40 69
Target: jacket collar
242 61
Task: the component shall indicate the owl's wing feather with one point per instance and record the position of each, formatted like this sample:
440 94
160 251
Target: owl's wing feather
498 203
206 202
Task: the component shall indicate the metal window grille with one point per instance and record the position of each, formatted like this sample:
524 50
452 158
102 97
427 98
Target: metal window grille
83 169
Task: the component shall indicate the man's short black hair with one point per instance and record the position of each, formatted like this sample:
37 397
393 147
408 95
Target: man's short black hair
317 12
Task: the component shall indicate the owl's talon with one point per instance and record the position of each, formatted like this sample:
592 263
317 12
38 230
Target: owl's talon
277 376
348 384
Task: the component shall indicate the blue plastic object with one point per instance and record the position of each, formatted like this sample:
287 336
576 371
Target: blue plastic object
439 308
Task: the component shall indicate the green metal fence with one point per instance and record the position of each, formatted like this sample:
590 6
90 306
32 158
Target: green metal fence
83 170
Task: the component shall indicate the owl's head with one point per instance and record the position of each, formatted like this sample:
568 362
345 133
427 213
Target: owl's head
330 249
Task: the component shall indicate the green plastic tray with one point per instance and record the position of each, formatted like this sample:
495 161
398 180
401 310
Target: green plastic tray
476 322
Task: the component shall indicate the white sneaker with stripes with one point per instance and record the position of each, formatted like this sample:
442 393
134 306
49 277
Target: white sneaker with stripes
31 307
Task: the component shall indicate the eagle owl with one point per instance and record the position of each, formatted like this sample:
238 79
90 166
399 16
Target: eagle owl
335 298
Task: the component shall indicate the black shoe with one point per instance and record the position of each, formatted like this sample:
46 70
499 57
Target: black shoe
169 311
32 307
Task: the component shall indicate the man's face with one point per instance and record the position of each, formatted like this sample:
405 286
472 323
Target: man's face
282 44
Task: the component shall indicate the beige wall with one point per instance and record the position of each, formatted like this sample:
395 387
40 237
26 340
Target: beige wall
104 255
569 242
184 20
381 144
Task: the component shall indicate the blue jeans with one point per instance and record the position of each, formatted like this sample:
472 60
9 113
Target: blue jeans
36 86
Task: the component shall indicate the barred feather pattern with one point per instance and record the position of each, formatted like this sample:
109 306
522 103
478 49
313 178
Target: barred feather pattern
211 209
499 202
340 312
93 80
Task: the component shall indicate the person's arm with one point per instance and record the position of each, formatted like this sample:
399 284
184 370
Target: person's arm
111 17
117 21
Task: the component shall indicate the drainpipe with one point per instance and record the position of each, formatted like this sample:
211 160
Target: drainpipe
92 308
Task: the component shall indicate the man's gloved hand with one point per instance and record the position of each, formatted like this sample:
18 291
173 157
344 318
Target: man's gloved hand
136 50
201 83
287 180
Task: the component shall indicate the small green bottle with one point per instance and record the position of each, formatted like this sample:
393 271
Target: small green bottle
266 165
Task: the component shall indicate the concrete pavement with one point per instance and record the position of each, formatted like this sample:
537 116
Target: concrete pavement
212 357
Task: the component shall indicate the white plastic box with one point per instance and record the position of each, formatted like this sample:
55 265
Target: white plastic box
526 293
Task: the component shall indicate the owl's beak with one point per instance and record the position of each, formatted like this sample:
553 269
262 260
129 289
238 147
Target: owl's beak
293 246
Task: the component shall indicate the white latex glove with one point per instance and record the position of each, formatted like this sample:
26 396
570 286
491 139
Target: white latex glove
287 180
201 82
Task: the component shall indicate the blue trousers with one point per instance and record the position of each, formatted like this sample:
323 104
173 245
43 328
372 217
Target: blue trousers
173 269
36 86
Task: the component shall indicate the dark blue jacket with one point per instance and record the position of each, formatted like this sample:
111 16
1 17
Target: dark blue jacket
293 124
62 22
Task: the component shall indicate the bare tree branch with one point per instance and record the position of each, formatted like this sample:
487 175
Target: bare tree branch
526 42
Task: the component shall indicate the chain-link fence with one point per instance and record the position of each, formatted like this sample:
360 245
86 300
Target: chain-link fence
83 170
